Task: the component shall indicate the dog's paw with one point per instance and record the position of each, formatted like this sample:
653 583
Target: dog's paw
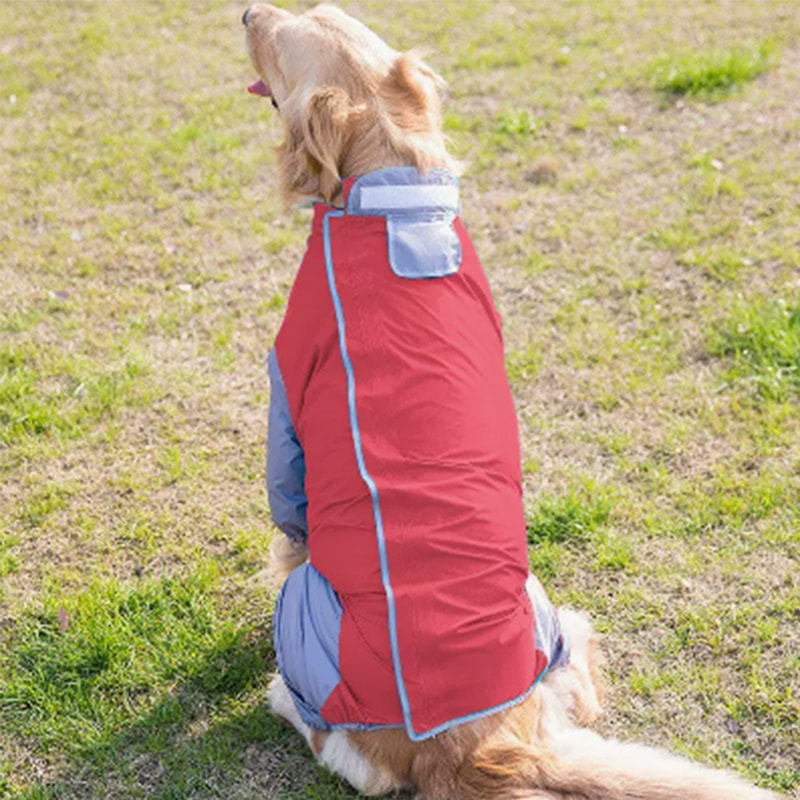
284 557
340 755
334 750
584 669
282 705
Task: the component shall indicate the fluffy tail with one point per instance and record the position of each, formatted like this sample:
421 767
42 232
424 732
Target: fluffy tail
580 764
586 764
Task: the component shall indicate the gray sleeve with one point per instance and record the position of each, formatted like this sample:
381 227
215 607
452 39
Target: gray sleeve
286 465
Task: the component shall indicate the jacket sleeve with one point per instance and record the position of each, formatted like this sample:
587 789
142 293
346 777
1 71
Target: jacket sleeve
286 466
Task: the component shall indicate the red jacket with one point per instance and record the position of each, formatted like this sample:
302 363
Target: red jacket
391 359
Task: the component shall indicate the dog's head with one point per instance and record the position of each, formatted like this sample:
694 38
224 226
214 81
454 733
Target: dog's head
350 104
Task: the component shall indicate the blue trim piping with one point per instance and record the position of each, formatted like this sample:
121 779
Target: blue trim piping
365 476
376 510
420 737
479 714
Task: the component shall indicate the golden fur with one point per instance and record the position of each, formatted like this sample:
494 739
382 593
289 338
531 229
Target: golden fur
350 105
357 106
284 556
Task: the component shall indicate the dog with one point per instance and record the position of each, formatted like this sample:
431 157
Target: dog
415 651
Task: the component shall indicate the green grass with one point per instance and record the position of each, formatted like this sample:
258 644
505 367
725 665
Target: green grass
129 669
712 73
75 671
48 394
8 560
572 517
761 341
521 365
576 521
632 182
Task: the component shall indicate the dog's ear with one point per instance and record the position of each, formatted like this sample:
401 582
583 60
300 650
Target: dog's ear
299 172
410 99
326 124
410 93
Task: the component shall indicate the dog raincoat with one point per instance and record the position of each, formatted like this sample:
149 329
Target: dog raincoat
393 451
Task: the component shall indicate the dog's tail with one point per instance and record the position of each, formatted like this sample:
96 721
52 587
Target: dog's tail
586 763
581 764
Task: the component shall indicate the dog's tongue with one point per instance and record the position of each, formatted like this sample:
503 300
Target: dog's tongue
259 88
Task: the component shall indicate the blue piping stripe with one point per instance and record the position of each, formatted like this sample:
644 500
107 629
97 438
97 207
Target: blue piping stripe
420 737
482 713
365 476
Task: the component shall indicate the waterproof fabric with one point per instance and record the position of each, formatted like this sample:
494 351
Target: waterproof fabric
393 451
307 628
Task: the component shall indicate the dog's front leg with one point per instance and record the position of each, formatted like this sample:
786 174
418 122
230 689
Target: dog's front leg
285 555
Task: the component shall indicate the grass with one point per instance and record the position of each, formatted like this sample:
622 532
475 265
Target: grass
85 663
712 73
572 517
577 521
643 255
50 395
762 343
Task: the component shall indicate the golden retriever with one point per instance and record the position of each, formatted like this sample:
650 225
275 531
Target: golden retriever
351 105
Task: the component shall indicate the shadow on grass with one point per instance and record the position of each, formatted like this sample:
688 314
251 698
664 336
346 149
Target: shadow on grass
210 735
146 690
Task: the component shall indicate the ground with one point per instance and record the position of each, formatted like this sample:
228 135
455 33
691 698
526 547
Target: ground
633 186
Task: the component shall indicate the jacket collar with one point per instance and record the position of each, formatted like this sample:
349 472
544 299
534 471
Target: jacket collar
396 192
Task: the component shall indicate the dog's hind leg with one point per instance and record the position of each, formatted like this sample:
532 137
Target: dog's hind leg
333 749
570 643
340 755
281 703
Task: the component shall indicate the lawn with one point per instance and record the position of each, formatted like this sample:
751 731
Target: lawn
633 187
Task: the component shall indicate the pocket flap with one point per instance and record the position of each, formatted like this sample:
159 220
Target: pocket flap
423 248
